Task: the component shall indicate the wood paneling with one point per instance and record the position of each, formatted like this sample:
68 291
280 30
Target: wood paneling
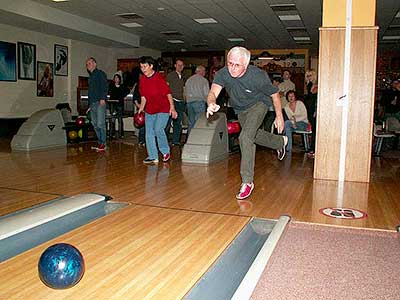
361 103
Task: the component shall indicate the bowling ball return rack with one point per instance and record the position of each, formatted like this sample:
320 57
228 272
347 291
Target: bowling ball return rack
27 228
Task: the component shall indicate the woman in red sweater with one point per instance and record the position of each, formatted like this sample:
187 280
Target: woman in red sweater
158 105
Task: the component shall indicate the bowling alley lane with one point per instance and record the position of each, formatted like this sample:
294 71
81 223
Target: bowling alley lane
138 252
13 200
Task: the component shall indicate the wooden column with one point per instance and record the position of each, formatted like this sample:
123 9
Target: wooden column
361 94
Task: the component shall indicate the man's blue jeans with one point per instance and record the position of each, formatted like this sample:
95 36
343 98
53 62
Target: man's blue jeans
98 115
195 109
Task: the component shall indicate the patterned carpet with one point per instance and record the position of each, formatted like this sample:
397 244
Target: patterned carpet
324 262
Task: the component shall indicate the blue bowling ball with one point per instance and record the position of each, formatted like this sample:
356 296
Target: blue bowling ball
61 266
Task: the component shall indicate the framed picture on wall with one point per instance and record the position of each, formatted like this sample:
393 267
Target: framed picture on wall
26 61
61 60
45 82
8 62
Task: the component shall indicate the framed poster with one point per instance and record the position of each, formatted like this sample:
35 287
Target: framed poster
61 60
8 63
26 61
45 82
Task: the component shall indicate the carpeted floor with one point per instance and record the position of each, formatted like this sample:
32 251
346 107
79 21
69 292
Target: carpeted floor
321 262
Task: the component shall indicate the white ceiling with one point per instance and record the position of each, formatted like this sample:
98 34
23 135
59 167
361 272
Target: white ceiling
253 20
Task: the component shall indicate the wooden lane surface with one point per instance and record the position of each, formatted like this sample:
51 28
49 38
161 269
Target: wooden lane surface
13 200
137 252
281 187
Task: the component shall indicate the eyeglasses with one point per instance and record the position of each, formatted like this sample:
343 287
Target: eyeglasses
233 65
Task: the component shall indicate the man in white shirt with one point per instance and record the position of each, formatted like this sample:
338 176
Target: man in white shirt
285 86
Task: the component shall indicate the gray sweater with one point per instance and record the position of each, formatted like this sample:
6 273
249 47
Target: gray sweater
196 88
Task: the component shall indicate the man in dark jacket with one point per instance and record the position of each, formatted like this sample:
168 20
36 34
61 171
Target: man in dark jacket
97 93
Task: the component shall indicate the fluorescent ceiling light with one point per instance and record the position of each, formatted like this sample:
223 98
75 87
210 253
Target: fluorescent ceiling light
265 58
283 5
289 17
175 41
131 25
171 32
206 21
391 37
129 16
60 0
236 39
301 38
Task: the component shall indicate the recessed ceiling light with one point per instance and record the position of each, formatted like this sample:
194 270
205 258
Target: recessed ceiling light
301 38
283 7
235 39
289 17
391 37
206 21
176 41
171 32
129 16
131 25
160 8
200 45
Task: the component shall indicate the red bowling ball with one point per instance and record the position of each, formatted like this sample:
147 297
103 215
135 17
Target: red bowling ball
138 119
80 121
233 127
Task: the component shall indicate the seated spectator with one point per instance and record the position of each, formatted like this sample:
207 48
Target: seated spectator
391 100
297 115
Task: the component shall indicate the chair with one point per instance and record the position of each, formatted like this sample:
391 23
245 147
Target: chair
305 136
379 136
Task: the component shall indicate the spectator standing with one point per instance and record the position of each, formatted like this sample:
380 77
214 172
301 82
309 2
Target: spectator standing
196 91
118 91
176 81
285 86
97 94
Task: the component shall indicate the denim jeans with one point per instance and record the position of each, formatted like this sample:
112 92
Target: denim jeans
120 112
142 135
195 109
289 132
117 111
177 123
98 116
250 135
155 128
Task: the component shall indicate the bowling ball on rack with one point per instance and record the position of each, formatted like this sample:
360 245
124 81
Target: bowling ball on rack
80 121
61 266
139 119
72 134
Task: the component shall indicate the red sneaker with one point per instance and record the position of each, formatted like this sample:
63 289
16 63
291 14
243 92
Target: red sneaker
101 148
245 190
166 157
